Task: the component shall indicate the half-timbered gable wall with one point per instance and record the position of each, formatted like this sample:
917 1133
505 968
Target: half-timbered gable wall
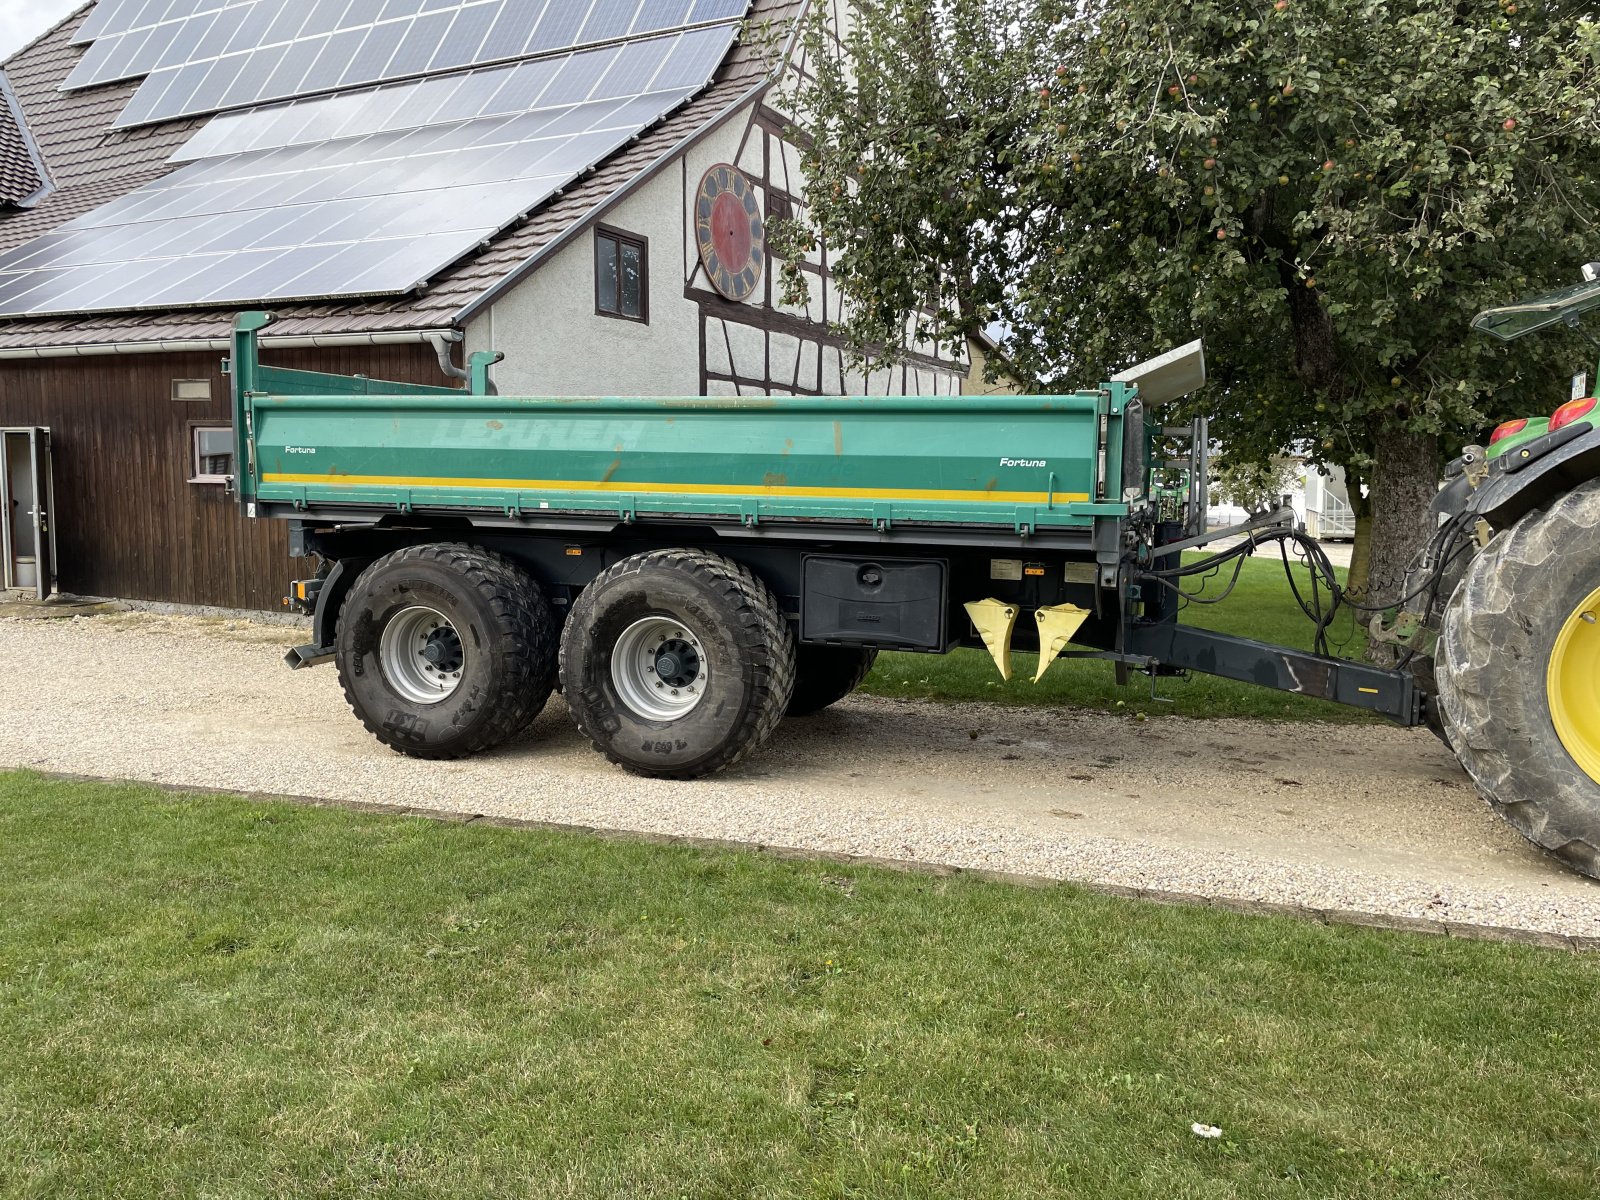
693 339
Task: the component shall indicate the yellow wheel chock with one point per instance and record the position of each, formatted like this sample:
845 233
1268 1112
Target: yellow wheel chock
1057 625
995 619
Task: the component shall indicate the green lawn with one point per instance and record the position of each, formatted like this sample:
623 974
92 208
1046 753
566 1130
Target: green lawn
1261 607
218 997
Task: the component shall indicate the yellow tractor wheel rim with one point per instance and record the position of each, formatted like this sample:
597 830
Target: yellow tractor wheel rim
1573 684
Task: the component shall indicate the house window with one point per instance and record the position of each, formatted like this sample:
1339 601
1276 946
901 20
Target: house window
621 275
189 391
211 453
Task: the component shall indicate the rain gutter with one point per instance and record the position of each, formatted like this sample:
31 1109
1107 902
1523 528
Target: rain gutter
410 337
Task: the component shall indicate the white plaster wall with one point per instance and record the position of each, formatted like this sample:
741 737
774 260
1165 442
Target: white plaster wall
554 342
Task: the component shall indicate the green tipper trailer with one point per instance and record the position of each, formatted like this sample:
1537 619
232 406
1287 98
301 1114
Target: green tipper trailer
692 570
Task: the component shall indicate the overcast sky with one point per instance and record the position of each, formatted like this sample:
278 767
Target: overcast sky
23 20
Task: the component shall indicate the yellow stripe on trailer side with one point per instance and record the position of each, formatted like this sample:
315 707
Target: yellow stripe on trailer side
681 489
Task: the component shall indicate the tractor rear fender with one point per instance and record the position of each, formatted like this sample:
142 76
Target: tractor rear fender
1524 484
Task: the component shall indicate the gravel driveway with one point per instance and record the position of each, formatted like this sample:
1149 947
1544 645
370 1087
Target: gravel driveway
1370 819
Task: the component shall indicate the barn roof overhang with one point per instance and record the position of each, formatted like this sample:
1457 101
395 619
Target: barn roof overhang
101 165
221 345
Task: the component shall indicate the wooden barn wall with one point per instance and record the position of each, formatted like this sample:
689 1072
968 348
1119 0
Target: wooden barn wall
128 522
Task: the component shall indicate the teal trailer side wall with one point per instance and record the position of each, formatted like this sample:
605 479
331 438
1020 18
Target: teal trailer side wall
1022 462
1025 461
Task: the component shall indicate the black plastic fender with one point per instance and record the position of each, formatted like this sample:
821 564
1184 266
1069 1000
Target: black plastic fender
325 621
1518 485
325 617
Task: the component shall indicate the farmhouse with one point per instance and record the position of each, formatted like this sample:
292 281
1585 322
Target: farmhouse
585 185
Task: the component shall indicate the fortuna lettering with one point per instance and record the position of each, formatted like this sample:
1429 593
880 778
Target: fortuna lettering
1023 462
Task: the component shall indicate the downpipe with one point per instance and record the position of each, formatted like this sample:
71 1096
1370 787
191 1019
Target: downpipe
442 343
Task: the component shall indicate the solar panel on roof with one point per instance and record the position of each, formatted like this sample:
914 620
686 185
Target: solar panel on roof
487 92
368 193
199 56
110 17
141 37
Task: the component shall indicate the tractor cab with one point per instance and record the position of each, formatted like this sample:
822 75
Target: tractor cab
1561 307
1565 307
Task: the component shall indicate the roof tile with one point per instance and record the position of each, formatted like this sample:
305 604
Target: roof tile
91 163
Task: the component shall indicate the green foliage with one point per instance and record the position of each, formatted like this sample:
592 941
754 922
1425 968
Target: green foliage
203 996
1326 190
1253 484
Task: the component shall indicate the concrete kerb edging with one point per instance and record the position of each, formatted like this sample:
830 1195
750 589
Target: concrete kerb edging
1572 943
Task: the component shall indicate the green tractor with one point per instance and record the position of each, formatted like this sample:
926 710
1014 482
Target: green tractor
1505 621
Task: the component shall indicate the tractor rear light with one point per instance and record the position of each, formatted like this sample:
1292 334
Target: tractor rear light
1571 411
1507 429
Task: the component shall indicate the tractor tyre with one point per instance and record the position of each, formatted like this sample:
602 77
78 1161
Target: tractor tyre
677 663
825 675
1518 668
445 650
1423 667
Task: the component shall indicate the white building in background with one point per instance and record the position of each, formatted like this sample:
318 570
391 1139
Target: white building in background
1321 501
1324 507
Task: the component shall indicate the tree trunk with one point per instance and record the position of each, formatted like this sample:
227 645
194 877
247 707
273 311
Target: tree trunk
1361 543
1355 581
1405 479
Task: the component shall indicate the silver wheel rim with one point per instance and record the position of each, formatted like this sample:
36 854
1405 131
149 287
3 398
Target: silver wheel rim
421 655
659 668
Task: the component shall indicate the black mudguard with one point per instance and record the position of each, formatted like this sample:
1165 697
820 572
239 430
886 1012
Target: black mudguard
325 621
1536 474
336 586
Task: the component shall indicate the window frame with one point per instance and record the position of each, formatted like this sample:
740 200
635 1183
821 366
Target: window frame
779 205
177 386
193 429
622 237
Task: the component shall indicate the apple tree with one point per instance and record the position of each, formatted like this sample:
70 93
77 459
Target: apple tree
1326 190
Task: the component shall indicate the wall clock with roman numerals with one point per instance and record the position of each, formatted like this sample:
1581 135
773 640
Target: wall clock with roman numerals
730 231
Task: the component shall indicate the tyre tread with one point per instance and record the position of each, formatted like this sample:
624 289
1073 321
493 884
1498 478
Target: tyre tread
525 632
755 607
1508 754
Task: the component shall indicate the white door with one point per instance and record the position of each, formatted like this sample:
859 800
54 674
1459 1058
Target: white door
27 530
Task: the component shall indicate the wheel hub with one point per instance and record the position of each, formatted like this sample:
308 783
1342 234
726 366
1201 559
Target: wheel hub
1573 685
677 663
421 655
442 648
659 669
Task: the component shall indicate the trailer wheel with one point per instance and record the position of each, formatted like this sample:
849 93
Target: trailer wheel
1519 676
677 663
825 675
445 650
